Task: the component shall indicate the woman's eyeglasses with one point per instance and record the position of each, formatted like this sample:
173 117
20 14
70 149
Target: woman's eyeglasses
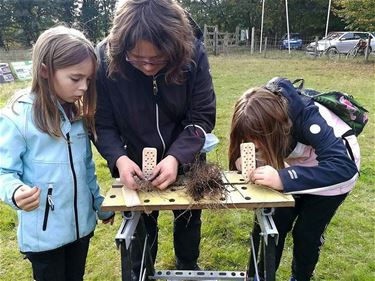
145 62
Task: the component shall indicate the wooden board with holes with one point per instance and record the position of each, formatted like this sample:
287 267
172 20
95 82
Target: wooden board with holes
239 195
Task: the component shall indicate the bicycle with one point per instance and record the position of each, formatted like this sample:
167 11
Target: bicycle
358 49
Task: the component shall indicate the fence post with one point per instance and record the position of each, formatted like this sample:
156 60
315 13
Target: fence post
316 47
252 40
225 44
216 39
265 46
237 35
205 34
275 46
367 51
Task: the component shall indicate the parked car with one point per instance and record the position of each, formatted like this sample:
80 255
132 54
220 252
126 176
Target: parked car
295 41
340 42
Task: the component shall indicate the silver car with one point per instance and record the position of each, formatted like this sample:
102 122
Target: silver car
341 42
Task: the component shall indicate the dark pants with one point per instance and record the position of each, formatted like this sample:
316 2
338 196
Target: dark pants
66 263
308 220
186 234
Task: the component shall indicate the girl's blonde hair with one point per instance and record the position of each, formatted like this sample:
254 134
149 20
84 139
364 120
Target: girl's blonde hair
57 48
163 23
261 116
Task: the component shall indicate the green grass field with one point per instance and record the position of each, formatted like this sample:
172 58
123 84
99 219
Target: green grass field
349 251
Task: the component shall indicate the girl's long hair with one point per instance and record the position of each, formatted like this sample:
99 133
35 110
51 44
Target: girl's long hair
57 48
163 23
261 116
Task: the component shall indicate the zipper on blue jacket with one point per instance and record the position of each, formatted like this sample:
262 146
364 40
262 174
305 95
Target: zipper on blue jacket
155 91
75 184
49 205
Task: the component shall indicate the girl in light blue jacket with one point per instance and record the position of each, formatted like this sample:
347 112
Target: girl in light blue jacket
46 168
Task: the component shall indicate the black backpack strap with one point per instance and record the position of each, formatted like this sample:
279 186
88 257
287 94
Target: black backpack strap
348 147
301 81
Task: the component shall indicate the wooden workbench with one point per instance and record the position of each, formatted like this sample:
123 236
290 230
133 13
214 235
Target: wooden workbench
239 195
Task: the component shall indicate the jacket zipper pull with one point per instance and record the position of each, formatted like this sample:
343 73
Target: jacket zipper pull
154 86
49 197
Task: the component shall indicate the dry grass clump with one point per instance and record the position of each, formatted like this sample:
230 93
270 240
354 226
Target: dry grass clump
205 181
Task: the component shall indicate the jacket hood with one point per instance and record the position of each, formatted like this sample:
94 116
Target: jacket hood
295 104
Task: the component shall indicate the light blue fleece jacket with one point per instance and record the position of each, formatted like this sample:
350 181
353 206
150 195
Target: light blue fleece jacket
63 170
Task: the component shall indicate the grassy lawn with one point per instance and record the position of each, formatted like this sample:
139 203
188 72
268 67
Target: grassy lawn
349 252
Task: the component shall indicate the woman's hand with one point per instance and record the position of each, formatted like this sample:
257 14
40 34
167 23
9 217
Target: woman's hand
267 175
27 198
128 169
165 173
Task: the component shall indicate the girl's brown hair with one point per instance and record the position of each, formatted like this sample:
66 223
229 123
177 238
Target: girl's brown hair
57 48
163 23
261 116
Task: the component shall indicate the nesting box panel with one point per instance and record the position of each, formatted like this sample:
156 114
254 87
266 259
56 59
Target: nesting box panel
149 156
247 159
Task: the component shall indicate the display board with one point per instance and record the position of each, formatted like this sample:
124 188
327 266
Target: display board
5 73
22 69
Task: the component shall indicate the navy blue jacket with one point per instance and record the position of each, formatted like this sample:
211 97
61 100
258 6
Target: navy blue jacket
334 164
133 114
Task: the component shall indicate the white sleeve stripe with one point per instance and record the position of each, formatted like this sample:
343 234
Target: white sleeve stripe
324 188
199 127
291 175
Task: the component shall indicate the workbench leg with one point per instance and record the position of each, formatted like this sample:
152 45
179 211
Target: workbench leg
132 236
126 264
264 232
269 251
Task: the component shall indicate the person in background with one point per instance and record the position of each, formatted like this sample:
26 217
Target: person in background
47 172
155 90
300 143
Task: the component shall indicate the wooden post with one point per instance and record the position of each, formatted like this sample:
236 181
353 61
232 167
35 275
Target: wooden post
265 46
216 41
237 35
275 46
225 44
252 40
205 34
316 47
367 51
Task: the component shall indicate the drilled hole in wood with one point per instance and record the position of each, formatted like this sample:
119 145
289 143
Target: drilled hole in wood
247 198
171 200
112 196
243 187
147 201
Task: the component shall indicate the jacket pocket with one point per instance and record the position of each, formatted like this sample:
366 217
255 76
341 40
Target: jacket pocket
49 205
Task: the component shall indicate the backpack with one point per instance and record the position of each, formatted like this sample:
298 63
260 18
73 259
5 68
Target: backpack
343 105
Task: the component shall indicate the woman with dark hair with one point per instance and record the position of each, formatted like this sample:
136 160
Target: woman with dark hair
155 90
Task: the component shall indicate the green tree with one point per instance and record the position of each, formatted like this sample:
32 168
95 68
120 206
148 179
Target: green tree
357 14
106 10
89 19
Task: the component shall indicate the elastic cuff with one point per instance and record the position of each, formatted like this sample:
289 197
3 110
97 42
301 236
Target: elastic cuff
13 200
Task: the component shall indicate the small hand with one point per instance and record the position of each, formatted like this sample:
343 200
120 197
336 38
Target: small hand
267 175
109 221
27 198
165 172
238 164
128 169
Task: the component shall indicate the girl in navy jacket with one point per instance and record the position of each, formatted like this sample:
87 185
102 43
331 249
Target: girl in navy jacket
299 143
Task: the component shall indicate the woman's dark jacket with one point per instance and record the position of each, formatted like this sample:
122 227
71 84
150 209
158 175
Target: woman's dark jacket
139 111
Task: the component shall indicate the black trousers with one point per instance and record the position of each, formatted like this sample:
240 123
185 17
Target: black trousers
308 221
186 239
66 263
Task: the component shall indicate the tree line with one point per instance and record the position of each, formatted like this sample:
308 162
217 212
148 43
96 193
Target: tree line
21 21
